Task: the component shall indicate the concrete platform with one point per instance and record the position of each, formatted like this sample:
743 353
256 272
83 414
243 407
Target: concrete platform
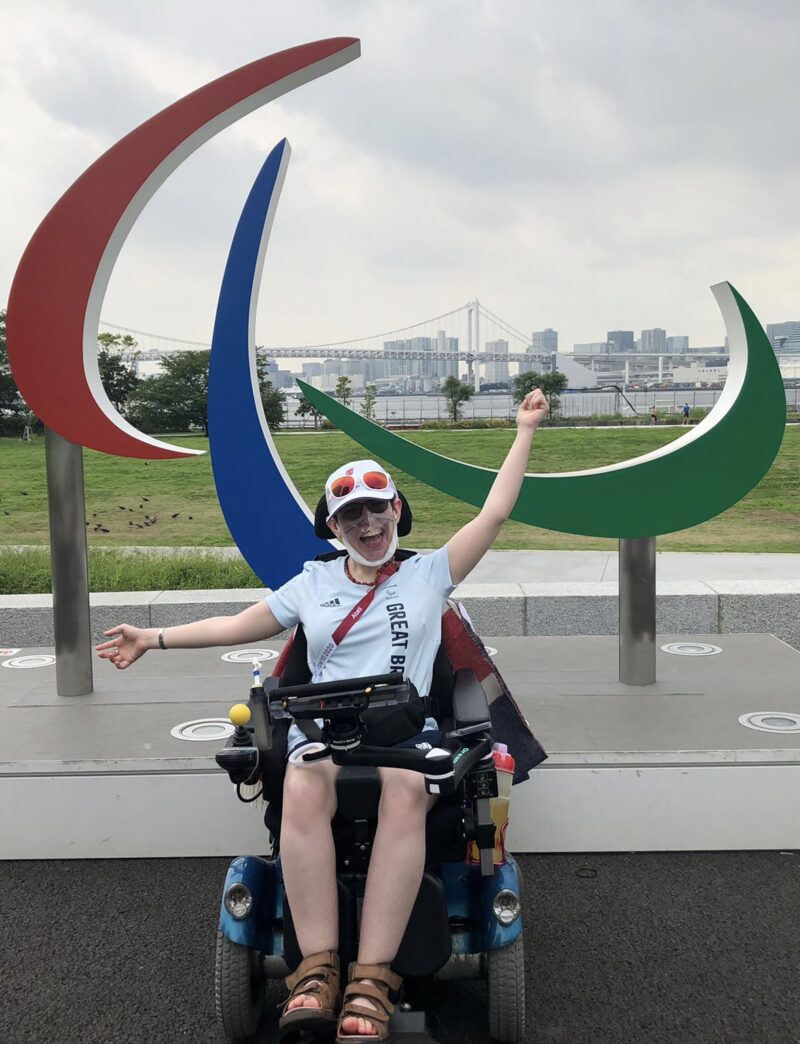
510 593
661 768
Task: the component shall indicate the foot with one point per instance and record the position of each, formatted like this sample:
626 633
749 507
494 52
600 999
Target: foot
361 1027
368 1004
314 998
305 1000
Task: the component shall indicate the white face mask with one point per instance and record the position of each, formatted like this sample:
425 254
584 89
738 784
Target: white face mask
369 522
369 562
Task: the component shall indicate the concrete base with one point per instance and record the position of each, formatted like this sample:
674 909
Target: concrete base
662 768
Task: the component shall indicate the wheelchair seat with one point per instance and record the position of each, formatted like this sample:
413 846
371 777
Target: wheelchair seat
427 943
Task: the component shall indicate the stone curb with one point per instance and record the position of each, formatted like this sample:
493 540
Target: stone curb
501 610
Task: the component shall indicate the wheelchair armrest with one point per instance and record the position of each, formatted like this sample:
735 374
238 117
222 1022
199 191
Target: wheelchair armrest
443 767
470 706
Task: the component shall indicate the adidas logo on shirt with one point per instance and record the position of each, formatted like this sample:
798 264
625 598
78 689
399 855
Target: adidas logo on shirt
330 605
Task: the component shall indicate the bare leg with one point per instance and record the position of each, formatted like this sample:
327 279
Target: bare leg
309 860
395 872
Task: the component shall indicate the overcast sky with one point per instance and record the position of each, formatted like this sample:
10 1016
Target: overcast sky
583 165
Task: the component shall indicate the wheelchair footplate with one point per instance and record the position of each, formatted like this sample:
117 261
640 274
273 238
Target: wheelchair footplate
410 1027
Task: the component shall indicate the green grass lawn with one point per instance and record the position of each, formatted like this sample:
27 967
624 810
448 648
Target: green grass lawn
122 494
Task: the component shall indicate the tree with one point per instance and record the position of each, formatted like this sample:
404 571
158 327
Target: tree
455 392
368 405
306 409
12 405
344 390
273 401
525 383
119 377
175 399
552 384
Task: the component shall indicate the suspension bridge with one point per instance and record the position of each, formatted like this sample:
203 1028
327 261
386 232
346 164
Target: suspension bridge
431 350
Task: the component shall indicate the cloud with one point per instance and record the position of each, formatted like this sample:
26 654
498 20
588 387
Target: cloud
581 166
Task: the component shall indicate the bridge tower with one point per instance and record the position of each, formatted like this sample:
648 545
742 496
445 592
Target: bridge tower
473 343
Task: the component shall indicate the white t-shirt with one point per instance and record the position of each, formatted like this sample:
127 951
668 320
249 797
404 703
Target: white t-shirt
400 631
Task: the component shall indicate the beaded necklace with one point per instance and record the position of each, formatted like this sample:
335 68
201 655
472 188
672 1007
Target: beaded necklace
349 575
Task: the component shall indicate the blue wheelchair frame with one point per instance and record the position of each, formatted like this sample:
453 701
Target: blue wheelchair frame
470 898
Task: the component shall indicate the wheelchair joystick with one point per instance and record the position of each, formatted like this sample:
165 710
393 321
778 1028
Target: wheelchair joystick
240 758
240 716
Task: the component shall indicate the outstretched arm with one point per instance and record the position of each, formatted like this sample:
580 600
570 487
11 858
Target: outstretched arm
471 543
128 643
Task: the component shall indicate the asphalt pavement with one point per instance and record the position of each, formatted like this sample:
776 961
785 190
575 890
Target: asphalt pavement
652 948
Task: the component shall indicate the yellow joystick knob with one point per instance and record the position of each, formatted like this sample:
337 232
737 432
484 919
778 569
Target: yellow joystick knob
239 714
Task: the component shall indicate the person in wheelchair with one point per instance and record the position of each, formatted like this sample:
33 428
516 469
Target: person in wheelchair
364 613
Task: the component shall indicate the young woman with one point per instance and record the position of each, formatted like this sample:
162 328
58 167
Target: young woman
400 630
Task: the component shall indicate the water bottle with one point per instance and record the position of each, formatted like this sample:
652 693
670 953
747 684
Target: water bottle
504 767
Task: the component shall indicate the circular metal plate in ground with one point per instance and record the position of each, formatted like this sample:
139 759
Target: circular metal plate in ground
249 655
771 721
26 662
203 729
691 649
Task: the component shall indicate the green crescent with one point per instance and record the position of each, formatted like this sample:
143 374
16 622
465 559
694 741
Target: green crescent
692 479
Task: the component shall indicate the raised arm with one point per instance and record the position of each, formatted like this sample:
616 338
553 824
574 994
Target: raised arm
471 543
128 643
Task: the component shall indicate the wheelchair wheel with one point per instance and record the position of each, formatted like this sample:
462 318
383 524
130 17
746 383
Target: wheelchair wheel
240 988
506 975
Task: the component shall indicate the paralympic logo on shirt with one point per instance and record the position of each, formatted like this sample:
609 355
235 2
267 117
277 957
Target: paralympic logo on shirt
54 314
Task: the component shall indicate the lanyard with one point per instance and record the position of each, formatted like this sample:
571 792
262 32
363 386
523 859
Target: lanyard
352 618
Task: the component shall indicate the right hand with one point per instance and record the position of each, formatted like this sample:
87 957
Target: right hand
127 644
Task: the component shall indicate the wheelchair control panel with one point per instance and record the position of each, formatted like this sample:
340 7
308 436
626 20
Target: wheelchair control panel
461 764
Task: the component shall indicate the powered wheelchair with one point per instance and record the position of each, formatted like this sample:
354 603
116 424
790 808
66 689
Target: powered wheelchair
466 921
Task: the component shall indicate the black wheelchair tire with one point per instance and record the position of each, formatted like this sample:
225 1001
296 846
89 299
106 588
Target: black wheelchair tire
506 980
240 989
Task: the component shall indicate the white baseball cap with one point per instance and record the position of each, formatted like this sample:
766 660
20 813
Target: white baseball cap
358 480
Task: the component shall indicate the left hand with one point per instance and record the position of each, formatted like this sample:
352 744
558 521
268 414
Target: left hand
532 410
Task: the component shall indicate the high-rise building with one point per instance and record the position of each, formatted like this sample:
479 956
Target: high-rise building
677 345
543 342
497 370
421 367
374 369
620 340
784 337
444 368
591 348
312 369
653 342
397 367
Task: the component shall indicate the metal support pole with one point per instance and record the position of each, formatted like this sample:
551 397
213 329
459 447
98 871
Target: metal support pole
637 611
70 567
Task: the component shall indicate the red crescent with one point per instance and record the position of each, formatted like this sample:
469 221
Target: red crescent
54 305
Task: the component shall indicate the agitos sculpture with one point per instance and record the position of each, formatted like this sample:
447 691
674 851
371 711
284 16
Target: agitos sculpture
52 324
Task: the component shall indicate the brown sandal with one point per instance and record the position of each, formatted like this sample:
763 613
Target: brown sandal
384 995
317 975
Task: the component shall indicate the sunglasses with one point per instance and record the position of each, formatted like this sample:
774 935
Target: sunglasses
352 512
340 487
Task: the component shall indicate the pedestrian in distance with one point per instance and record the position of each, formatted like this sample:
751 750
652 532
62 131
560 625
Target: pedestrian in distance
363 511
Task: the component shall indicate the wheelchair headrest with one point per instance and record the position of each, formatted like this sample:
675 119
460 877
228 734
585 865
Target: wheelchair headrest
323 530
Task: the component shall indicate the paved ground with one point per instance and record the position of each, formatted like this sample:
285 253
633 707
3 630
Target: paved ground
621 948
